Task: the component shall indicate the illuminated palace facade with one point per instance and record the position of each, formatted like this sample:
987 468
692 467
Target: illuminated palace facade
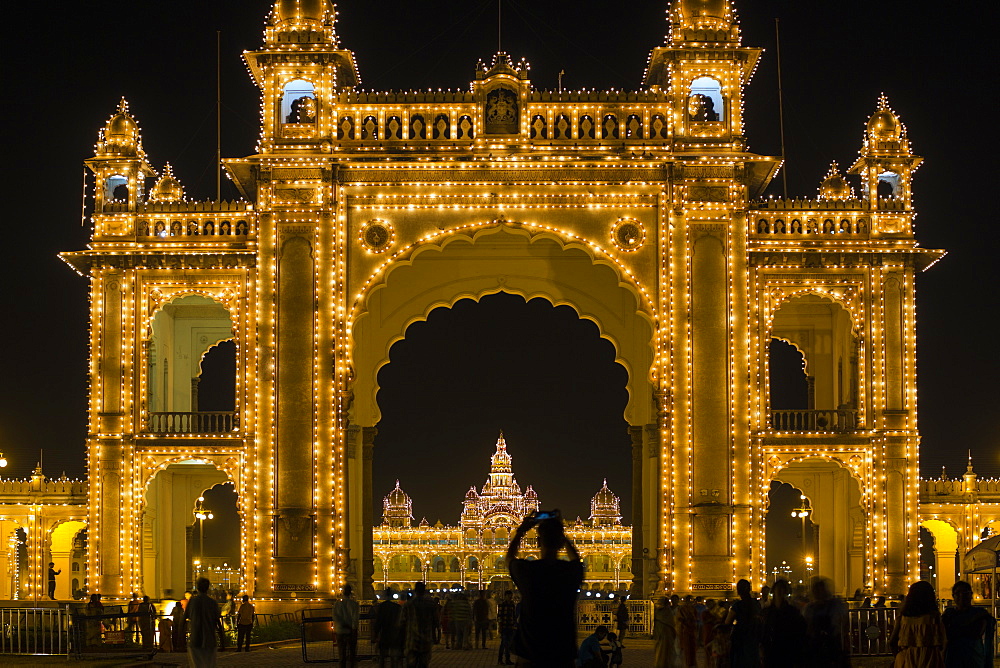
362 211
473 554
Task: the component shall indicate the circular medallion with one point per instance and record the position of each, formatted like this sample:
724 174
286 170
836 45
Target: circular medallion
628 234
377 236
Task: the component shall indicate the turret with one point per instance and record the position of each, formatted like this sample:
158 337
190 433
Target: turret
167 188
705 69
119 165
886 163
397 508
835 186
300 70
605 508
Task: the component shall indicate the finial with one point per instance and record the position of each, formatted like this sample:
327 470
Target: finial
123 106
968 469
883 101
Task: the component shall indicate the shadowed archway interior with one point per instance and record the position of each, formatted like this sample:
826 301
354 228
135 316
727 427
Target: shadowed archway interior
451 386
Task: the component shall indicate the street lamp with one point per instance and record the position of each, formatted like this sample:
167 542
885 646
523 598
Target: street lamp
201 514
803 512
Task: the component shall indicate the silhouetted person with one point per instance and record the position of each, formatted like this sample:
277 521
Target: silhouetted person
244 623
546 632
387 632
52 580
970 630
202 614
590 654
421 626
94 627
346 619
918 637
745 615
826 619
783 630
506 623
664 633
621 619
481 618
145 615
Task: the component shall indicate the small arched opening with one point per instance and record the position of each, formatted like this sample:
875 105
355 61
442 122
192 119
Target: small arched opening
705 101
298 102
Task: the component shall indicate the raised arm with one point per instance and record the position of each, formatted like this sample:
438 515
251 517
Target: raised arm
515 542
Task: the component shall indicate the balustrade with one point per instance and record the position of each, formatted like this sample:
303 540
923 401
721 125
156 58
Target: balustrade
838 421
178 422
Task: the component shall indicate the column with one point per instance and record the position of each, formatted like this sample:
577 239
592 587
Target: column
945 563
294 476
367 513
638 560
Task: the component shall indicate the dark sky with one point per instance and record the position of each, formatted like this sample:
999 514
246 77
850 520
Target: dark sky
63 76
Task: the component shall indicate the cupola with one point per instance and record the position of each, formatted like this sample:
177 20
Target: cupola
167 188
397 508
605 508
120 135
835 186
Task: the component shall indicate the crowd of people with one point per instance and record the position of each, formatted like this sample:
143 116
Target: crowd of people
782 628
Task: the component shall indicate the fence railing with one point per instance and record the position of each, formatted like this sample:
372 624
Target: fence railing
837 421
868 630
175 422
591 614
34 631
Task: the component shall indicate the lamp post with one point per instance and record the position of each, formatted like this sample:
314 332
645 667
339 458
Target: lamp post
802 512
201 514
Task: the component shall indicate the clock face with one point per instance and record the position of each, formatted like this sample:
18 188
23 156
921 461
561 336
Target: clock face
628 235
376 236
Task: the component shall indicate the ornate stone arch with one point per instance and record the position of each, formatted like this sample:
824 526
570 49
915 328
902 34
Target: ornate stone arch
485 258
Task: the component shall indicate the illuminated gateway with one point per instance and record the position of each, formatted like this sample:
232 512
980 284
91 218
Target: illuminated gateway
472 554
363 211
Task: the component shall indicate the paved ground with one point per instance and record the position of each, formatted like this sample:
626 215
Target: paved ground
638 653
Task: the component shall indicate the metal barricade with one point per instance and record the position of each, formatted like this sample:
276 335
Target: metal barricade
113 632
34 631
591 614
319 642
869 629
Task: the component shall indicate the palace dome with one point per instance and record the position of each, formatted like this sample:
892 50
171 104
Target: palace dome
397 508
167 188
121 132
835 186
530 493
604 507
397 497
472 494
884 125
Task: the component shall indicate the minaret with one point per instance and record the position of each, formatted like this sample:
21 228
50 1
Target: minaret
300 71
605 508
397 508
886 165
705 68
120 169
501 471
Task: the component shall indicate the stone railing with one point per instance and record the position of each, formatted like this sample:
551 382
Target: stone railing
816 226
835 421
178 422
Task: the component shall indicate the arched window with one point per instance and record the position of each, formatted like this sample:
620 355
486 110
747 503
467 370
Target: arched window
587 127
418 128
442 128
393 128
116 187
465 127
345 129
369 129
633 127
538 128
888 185
658 127
705 103
563 128
298 102
609 127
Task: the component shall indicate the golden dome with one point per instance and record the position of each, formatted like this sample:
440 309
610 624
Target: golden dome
397 497
121 132
835 186
705 14
884 126
167 188
605 497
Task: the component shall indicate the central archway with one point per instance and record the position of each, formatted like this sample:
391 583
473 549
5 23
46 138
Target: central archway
519 259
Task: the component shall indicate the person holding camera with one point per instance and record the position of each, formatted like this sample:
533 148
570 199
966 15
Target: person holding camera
546 631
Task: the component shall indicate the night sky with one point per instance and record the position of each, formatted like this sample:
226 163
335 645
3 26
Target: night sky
535 371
